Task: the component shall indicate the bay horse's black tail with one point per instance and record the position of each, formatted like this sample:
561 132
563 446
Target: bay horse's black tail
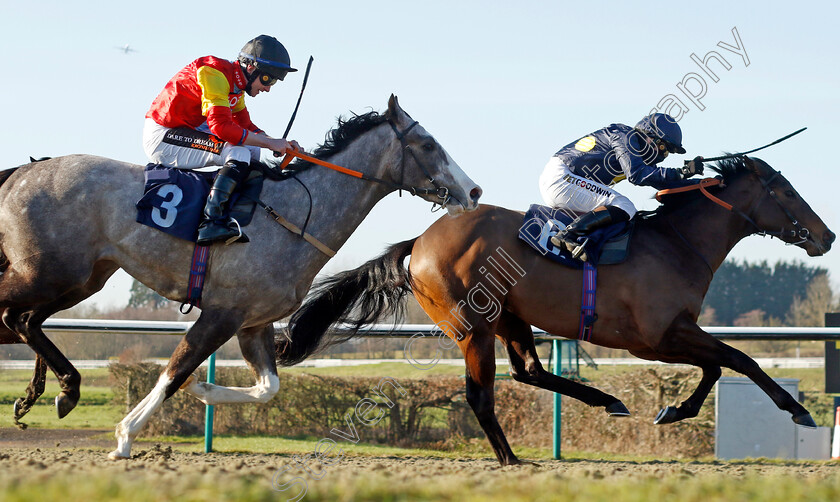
355 298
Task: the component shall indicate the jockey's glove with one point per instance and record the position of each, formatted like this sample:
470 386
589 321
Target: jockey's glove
692 167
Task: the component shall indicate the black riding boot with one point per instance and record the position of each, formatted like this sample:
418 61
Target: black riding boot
215 226
584 224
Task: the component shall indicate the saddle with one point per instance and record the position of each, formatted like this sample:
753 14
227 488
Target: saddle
173 199
606 246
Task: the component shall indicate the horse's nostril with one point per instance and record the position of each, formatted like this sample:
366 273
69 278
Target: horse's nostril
475 193
828 237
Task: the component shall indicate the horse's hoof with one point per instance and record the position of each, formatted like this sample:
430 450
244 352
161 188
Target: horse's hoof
17 408
64 404
805 420
617 409
116 455
189 381
667 415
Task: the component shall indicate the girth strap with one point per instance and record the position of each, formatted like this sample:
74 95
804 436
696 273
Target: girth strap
587 304
198 268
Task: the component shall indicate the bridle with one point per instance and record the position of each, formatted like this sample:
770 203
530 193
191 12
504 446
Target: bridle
441 191
438 190
799 232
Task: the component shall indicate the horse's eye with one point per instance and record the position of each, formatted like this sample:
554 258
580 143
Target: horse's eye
428 147
790 193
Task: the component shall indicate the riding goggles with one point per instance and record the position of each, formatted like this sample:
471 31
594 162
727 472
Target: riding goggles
268 80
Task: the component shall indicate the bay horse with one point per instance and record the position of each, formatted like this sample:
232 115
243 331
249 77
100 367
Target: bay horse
477 281
67 224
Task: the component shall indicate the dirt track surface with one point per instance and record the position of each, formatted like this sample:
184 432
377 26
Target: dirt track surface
162 459
159 472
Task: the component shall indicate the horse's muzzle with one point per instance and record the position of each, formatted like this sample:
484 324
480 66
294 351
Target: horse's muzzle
827 239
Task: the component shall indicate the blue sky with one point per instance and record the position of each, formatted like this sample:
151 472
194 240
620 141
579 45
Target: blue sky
501 85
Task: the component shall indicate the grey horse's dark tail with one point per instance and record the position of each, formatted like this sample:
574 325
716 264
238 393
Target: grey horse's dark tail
4 175
355 298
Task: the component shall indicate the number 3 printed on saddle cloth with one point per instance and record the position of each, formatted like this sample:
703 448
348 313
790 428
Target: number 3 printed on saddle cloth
173 201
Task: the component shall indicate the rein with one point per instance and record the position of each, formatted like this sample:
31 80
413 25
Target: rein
799 232
440 191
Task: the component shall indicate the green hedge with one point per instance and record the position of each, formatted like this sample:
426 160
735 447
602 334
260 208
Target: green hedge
433 411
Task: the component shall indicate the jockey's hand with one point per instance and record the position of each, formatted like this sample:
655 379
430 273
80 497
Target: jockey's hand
692 167
280 147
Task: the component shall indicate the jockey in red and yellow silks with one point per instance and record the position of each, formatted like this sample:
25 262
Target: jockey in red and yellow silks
208 90
200 119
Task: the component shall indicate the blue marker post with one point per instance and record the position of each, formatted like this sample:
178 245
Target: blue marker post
208 414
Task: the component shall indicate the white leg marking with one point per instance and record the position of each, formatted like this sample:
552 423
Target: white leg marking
266 387
130 426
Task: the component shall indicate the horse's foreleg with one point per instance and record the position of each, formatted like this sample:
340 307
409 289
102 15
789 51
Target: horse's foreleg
687 343
257 346
525 367
212 329
480 376
33 391
690 408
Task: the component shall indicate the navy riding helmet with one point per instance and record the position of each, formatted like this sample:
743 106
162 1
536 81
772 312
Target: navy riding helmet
665 128
268 56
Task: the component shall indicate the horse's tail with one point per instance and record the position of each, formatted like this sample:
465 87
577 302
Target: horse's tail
4 175
368 294
4 262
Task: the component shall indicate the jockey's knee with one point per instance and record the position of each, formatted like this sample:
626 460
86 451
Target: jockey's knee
244 154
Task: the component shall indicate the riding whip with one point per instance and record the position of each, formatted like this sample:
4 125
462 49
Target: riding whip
302 88
733 155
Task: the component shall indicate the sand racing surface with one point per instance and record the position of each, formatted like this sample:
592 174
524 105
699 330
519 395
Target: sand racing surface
50 459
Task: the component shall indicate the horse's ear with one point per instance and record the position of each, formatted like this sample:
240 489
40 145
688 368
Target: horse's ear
395 111
756 166
393 107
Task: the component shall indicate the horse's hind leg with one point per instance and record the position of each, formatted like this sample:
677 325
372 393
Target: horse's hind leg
36 385
685 342
27 321
33 391
480 359
27 324
257 346
525 367
212 329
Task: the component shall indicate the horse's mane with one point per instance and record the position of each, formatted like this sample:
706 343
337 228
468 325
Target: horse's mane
347 130
730 168
337 139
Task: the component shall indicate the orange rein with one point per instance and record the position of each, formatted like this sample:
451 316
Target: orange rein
704 183
293 153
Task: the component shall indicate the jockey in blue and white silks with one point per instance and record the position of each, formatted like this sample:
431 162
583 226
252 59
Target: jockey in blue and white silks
580 176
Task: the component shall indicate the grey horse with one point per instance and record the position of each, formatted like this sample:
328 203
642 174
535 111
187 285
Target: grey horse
67 224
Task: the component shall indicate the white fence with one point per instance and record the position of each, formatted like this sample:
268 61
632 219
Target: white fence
407 330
